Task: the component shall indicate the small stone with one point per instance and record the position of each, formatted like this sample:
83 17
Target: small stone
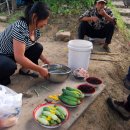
63 36
27 95
3 18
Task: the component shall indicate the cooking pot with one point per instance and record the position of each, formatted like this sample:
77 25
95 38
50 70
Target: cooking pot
57 72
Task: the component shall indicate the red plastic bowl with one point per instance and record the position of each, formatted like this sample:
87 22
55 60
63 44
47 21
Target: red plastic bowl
94 81
38 110
87 89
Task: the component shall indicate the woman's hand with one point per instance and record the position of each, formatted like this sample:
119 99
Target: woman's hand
46 61
43 72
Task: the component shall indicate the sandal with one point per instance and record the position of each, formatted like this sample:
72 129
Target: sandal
28 73
106 48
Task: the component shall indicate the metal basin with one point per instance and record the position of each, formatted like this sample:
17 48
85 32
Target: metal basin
57 72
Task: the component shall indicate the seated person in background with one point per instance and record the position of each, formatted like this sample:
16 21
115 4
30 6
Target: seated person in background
121 107
97 22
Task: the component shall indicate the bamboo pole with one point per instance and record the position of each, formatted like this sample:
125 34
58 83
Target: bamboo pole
14 6
8 6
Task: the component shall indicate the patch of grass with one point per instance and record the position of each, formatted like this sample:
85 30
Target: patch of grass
68 7
15 16
3 13
75 7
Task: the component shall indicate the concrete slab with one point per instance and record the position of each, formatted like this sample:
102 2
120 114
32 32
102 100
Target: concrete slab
119 4
124 11
127 21
45 88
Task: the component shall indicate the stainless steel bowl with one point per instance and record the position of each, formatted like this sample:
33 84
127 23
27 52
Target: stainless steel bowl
57 72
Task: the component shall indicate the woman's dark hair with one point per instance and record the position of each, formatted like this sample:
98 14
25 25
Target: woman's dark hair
39 8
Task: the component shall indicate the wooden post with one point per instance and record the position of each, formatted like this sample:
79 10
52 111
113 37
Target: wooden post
14 6
8 6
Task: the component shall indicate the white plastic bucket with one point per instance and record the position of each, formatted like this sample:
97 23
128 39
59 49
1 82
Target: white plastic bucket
79 53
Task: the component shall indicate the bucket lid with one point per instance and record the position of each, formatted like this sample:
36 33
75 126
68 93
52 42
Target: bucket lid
80 43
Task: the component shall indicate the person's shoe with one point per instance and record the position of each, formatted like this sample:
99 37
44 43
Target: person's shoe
28 73
126 83
106 48
118 106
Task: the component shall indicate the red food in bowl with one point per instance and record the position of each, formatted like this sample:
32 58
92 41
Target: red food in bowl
94 81
86 88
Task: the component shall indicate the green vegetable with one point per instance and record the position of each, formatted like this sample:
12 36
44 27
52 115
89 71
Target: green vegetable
61 110
57 112
76 90
46 109
54 117
70 93
53 122
73 89
67 101
43 121
71 98
60 115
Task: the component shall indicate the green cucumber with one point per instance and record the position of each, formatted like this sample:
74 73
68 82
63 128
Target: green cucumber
73 89
43 121
47 113
46 109
80 95
76 90
53 122
70 93
61 110
70 97
57 112
60 115
67 101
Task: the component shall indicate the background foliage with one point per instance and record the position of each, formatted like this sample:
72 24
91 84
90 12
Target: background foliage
68 6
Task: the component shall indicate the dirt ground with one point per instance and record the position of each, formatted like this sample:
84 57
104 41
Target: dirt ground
112 71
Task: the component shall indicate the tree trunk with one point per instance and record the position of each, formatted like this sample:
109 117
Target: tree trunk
7 3
14 6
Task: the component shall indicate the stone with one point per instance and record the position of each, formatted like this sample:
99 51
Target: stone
3 18
63 36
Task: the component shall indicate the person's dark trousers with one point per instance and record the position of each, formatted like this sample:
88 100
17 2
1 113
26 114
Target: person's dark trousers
128 75
8 64
127 105
106 32
33 53
7 68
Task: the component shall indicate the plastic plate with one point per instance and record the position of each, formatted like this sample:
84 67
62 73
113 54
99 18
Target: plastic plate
38 110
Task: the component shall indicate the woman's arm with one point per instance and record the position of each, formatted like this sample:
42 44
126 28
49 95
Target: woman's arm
44 60
19 50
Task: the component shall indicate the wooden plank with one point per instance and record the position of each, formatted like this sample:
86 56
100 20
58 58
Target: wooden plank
105 60
104 53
